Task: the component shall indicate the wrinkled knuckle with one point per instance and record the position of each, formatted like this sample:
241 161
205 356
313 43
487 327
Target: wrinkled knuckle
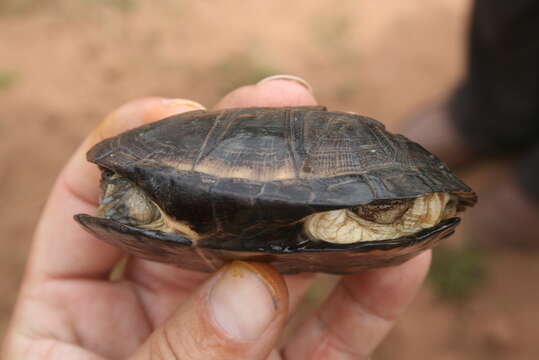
333 342
167 345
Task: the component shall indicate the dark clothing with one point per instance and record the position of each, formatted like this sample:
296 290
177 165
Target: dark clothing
496 108
528 173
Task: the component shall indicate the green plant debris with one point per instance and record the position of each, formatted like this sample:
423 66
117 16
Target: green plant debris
456 272
321 288
8 79
118 270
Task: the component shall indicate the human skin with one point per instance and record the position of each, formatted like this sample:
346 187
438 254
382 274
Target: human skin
69 309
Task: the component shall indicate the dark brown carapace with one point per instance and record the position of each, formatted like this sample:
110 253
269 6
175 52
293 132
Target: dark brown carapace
300 187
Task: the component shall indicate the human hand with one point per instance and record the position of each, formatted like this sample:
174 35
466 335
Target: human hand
69 309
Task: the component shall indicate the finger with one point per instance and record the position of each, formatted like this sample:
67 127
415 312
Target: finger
61 248
279 90
359 313
237 314
297 286
161 287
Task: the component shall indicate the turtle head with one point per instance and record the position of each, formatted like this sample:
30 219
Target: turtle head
123 201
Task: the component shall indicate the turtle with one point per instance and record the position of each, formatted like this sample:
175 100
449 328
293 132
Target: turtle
302 188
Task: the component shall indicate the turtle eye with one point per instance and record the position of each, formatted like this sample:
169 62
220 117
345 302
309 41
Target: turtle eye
107 173
386 212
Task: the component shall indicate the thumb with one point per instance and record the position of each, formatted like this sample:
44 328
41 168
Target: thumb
238 313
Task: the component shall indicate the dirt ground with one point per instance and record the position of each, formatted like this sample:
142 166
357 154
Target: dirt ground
65 64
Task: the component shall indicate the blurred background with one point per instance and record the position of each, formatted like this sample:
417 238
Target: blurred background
65 64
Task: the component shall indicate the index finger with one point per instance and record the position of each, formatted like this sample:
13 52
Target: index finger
61 247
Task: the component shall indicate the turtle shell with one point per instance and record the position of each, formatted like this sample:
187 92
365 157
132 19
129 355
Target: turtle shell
243 179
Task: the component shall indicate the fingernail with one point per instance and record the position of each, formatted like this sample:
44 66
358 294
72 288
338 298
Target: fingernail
176 103
242 303
171 107
293 78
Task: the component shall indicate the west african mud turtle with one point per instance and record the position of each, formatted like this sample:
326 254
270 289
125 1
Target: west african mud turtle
300 187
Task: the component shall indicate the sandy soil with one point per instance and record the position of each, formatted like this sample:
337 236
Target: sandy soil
66 64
